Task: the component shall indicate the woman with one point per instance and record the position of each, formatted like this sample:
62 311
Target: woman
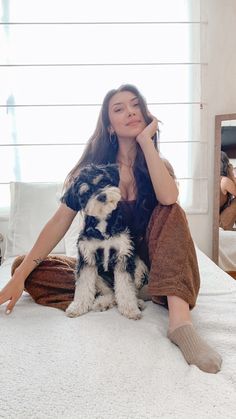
227 194
126 134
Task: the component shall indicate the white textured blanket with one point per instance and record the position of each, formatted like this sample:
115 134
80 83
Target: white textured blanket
227 250
103 365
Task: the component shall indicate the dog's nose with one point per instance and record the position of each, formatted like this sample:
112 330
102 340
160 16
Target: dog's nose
102 197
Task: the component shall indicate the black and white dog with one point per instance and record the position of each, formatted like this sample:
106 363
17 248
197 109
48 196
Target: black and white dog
108 272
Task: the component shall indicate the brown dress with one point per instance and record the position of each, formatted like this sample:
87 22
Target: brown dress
167 248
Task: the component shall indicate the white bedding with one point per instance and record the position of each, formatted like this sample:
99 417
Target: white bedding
103 365
227 250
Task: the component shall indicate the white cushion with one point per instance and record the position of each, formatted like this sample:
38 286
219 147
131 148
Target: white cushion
32 205
72 234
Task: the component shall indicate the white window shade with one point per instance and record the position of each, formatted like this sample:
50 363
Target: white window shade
66 124
172 83
104 10
60 58
78 44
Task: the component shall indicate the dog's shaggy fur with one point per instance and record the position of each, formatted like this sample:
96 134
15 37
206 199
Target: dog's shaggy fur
108 271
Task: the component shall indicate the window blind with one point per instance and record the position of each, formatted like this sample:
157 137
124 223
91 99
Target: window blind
61 57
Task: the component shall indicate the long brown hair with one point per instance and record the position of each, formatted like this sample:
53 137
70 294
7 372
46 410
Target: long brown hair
101 150
224 164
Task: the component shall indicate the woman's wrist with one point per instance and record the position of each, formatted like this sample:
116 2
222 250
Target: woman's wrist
19 276
145 142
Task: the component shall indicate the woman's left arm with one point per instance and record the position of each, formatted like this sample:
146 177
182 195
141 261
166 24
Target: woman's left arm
163 183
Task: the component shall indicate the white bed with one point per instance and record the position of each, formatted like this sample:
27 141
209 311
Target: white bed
227 250
103 365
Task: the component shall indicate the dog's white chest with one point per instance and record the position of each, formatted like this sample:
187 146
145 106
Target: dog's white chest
102 225
119 244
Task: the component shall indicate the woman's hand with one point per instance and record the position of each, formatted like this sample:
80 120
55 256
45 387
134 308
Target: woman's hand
148 131
11 292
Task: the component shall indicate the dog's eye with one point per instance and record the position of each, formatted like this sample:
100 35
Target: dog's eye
103 183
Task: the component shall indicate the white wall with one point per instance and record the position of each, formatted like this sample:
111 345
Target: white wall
3 231
219 93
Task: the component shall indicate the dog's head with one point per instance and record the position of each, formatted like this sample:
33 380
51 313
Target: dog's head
95 190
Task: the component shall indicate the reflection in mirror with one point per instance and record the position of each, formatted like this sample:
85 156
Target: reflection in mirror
224 225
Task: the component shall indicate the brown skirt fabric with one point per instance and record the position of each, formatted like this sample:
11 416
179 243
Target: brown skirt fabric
172 261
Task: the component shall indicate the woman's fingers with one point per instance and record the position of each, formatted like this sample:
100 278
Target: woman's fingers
3 299
154 118
154 122
11 292
10 306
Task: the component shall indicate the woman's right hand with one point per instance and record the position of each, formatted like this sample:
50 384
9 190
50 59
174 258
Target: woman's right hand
11 292
51 234
148 131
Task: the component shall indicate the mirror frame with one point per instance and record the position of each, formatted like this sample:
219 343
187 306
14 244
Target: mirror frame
215 235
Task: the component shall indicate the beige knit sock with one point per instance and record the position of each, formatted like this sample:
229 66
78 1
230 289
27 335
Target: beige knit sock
194 349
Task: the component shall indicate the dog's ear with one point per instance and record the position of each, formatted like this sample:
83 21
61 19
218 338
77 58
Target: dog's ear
72 197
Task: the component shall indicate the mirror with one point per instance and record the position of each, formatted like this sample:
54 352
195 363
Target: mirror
224 240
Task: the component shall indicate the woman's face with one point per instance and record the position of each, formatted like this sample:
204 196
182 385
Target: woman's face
126 118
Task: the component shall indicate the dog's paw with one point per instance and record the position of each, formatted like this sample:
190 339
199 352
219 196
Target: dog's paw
75 309
130 312
103 303
141 304
140 274
72 310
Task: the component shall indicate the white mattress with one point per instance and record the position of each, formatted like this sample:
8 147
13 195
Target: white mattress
103 365
227 250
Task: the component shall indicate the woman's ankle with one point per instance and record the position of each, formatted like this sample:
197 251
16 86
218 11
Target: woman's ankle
175 325
179 313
